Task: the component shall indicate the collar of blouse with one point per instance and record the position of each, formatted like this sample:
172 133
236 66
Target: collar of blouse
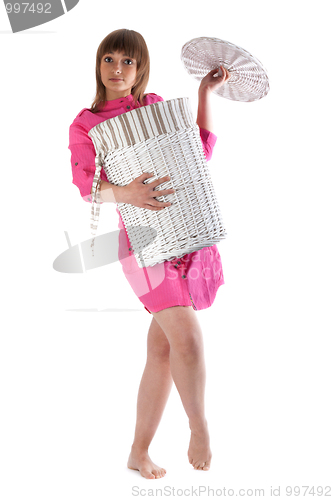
120 102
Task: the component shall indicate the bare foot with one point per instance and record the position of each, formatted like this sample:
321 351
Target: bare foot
199 453
139 460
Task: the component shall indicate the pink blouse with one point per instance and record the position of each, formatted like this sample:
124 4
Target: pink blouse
190 280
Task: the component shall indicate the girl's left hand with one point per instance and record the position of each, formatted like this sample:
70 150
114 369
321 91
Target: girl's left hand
211 82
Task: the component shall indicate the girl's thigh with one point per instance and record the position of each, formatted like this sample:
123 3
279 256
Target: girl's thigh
180 325
157 341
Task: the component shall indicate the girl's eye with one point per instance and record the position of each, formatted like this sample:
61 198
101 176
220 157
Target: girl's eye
106 59
128 61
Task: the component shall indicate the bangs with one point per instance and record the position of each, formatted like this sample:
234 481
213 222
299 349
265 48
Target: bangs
124 41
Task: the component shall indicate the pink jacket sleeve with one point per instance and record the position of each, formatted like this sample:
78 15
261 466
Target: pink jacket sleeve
208 140
83 159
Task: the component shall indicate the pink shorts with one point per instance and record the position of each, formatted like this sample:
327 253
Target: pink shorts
192 280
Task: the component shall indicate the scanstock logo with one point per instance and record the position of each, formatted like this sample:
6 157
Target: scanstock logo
25 15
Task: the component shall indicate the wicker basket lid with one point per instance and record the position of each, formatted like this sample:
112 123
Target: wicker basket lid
248 81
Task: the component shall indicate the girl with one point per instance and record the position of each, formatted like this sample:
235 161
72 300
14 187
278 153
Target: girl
174 345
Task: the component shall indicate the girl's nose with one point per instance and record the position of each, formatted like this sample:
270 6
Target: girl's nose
117 67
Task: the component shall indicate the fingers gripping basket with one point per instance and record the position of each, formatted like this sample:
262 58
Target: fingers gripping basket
164 139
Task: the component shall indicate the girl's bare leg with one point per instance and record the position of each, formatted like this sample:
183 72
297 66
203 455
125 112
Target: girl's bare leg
153 394
187 365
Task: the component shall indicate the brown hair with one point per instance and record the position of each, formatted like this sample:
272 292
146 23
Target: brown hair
132 44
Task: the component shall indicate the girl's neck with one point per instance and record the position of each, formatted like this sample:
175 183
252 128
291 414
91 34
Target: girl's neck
112 96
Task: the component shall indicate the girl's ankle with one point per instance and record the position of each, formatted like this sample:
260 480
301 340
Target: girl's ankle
198 425
139 448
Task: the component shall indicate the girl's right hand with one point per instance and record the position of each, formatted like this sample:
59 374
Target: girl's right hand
143 195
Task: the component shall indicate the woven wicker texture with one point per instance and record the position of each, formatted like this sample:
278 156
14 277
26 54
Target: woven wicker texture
248 81
164 139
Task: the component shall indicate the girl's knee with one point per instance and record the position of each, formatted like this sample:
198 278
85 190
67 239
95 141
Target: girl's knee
158 346
159 351
188 343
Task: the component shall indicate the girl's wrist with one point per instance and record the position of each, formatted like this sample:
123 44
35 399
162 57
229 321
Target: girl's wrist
204 91
110 192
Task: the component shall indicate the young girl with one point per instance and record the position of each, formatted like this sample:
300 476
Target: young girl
174 345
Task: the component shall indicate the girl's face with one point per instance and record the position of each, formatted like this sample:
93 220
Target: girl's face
118 74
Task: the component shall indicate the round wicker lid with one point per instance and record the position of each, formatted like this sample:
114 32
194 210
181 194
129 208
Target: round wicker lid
248 80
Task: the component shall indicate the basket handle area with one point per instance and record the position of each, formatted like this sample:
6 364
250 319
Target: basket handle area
96 199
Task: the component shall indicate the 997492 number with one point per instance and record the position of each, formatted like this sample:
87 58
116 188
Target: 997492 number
308 491
24 8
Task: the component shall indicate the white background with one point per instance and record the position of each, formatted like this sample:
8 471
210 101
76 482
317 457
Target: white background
69 377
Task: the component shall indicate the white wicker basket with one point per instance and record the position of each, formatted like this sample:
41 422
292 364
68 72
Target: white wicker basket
164 139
